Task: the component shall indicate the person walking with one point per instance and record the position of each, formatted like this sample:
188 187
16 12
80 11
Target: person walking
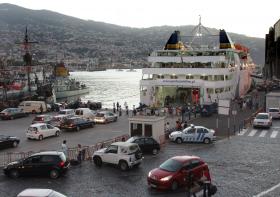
64 148
79 153
126 108
134 110
120 112
41 108
118 105
114 107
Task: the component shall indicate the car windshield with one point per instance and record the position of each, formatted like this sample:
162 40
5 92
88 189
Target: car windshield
262 116
99 115
69 121
62 112
133 148
130 140
273 110
32 129
6 110
171 165
38 119
56 119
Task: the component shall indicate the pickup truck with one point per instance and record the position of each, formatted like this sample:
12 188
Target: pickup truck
124 154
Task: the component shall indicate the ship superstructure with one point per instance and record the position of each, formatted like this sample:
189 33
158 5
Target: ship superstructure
182 74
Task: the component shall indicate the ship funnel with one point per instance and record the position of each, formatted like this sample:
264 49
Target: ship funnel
174 42
225 41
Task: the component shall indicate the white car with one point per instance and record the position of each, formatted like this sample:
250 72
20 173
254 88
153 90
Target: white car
105 117
40 131
67 112
123 154
274 112
193 134
40 193
262 120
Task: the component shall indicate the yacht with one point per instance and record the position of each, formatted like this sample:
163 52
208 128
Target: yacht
198 75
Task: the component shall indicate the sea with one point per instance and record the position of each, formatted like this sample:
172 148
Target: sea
111 86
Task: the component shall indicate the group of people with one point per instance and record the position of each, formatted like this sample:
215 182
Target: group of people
180 125
79 153
118 108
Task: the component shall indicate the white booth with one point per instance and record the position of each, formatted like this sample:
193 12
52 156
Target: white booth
151 126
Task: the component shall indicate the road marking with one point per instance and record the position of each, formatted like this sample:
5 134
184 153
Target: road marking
263 133
274 134
253 132
267 191
275 127
242 132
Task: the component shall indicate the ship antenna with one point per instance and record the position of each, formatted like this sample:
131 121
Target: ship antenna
197 31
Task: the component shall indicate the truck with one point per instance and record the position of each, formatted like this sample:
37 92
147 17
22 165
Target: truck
272 100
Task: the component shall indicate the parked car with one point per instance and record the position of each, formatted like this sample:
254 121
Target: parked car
33 106
8 141
262 120
50 163
40 131
39 193
193 134
12 113
124 154
146 144
85 113
274 112
172 173
76 123
42 119
67 112
57 120
105 117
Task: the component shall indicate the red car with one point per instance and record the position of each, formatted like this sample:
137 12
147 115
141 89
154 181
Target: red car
174 172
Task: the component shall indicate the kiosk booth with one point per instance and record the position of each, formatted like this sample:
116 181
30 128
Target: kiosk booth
150 126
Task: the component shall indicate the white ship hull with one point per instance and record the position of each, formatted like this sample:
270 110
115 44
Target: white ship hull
69 93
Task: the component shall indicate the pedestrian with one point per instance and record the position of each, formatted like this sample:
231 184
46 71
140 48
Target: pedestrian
167 127
41 108
120 111
185 124
64 148
134 110
190 180
118 105
79 153
126 108
125 104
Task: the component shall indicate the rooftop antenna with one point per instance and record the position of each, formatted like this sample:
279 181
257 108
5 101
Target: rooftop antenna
197 32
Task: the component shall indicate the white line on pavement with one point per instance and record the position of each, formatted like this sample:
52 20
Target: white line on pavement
253 132
274 134
263 133
242 132
267 191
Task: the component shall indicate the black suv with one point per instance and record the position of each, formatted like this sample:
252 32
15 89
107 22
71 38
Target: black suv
146 144
76 123
50 163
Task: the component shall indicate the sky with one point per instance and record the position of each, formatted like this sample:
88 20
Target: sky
249 17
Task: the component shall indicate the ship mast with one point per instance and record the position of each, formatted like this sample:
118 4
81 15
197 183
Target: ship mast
197 32
27 57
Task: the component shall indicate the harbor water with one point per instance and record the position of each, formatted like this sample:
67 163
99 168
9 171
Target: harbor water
111 86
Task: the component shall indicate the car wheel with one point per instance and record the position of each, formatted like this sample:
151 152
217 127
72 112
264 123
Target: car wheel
40 137
174 186
92 125
123 165
155 151
78 128
15 144
97 161
206 141
14 174
54 174
57 133
179 140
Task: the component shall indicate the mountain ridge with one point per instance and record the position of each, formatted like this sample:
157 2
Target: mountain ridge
67 37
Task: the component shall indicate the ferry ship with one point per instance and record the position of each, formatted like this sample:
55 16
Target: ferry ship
186 75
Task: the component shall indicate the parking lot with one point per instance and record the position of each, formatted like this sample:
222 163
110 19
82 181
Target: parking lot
241 166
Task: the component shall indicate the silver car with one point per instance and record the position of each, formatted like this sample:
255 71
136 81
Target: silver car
105 117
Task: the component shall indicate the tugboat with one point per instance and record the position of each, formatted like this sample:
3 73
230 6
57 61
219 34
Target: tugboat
64 86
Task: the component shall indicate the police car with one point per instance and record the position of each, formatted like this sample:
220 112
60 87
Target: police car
193 134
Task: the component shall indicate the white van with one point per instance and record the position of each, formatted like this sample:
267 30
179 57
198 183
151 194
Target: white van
33 106
85 113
